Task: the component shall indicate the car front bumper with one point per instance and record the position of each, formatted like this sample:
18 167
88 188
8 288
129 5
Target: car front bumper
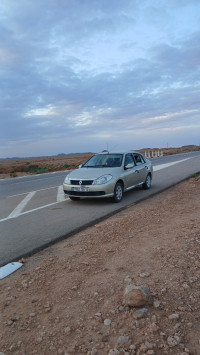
91 191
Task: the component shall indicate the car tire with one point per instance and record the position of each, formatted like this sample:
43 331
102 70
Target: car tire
74 198
118 192
147 183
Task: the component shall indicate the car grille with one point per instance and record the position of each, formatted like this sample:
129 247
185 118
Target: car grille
83 182
85 193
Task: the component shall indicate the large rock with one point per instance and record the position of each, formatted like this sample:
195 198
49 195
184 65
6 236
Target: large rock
136 296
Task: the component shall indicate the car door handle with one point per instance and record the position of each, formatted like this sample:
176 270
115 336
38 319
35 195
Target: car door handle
137 171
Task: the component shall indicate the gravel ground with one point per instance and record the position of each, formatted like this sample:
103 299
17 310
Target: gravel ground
70 298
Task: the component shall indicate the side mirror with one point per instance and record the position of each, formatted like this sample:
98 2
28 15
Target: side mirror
80 166
129 166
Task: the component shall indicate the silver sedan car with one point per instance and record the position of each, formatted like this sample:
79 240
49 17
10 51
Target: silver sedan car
109 175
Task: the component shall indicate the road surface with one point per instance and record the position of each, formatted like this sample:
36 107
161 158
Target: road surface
34 212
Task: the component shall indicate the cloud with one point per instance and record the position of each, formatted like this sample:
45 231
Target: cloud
103 71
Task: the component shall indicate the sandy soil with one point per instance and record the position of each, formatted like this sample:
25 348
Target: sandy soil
68 299
23 167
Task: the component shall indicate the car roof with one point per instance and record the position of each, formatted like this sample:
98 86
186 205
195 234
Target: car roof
124 152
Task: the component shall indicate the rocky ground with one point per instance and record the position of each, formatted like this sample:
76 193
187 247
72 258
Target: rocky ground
73 298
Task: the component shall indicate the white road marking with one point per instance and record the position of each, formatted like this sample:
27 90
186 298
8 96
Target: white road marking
162 166
33 210
26 212
17 211
60 194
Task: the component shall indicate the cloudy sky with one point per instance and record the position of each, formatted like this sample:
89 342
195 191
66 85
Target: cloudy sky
84 75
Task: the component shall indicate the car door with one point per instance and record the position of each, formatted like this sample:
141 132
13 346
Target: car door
141 167
130 175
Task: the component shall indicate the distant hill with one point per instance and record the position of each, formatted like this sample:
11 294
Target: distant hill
46 156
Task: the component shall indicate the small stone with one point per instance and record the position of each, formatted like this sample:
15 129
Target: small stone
190 325
185 285
136 296
153 327
122 340
156 303
32 314
131 236
19 343
34 300
145 274
123 309
13 347
140 313
113 352
132 347
154 318
143 348
67 330
39 340
21 327
177 325
174 316
171 341
128 279
98 314
107 321
163 290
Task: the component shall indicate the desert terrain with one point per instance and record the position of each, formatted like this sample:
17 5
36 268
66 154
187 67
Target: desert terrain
29 166
70 299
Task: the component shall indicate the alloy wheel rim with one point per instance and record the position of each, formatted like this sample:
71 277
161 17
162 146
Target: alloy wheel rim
119 192
148 181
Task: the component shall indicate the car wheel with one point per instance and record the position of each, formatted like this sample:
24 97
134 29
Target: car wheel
147 183
74 198
118 192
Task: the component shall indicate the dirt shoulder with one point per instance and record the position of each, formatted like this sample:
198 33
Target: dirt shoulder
68 299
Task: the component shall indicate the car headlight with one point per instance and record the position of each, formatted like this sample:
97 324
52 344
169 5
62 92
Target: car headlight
67 180
102 180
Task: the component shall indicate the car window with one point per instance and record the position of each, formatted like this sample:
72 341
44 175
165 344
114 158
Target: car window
138 159
129 159
104 160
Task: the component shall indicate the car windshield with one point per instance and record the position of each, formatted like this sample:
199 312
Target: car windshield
104 160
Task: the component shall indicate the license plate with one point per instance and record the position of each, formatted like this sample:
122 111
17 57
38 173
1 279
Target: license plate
85 189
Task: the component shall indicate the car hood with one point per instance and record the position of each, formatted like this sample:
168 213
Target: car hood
92 173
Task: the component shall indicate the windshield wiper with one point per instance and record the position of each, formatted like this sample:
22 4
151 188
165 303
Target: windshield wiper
94 166
100 166
88 166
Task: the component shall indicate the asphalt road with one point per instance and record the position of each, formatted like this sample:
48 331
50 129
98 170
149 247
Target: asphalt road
34 212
